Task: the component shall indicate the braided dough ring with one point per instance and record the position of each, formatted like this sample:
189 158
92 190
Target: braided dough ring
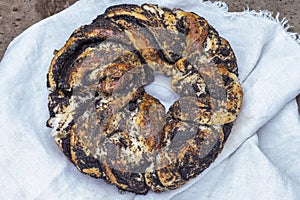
110 128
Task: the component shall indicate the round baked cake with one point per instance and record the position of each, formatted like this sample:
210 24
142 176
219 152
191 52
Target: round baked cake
105 122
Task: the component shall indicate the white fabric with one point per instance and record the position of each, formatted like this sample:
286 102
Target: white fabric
261 159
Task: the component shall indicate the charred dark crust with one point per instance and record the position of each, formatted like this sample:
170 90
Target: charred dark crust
131 180
124 109
87 162
65 145
227 129
144 25
191 170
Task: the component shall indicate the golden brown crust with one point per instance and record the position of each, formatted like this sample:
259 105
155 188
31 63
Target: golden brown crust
110 128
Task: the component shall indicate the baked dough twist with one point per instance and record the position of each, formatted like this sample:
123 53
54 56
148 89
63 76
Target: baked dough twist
110 128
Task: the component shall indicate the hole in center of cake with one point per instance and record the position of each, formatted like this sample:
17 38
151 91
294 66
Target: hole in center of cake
161 89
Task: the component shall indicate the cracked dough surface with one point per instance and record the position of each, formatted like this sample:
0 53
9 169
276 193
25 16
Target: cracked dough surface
109 127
